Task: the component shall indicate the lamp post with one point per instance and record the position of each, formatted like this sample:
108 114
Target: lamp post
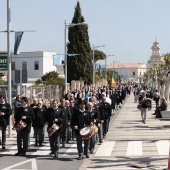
65 46
94 47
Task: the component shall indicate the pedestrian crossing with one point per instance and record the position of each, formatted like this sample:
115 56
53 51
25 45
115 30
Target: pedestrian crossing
106 149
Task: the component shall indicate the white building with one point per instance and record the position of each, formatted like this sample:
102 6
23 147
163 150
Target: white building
36 63
129 71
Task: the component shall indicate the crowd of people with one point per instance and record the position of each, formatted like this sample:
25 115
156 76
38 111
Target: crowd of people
81 115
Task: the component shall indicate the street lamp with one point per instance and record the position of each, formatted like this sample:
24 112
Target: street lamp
65 46
105 63
94 47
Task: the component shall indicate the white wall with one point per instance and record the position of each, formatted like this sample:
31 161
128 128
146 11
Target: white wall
45 60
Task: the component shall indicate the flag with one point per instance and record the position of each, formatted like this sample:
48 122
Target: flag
100 70
18 37
113 83
57 60
115 76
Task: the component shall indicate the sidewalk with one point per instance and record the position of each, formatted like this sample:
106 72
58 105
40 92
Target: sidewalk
130 140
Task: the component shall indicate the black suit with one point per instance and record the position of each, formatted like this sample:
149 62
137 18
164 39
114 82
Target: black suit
67 118
53 114
38 124
4 120
24 133
81 119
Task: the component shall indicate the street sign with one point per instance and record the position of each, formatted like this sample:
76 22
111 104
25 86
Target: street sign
3 61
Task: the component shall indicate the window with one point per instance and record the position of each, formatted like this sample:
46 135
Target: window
36 65
13 65
133 73
24 65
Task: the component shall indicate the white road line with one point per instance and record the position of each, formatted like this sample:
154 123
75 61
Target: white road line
105 149
134 148
13 150
42 151
71 151
163 147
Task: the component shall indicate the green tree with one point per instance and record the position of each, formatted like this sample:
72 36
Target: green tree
99 55
50 78
81 65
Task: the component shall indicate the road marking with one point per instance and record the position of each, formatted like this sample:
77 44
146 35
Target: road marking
71 151
44 150
163 147
13 150
105 149
134 148
33 163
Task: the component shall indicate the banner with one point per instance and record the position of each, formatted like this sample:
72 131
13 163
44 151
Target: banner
57 60
18 37
100 70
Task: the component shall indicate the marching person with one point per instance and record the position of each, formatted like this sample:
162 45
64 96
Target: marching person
97 106
54 116
81 118
5 112
23 114
106 112
95 117
72 111
38 122
34 105
66 120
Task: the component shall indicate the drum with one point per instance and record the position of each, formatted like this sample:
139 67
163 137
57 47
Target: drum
21 125
52 129
95 128
87 132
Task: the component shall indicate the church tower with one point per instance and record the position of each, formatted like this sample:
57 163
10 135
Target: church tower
155 58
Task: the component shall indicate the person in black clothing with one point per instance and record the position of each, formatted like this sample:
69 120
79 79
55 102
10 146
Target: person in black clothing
5 112
25 114
54 116
81 118
72 111
39 116
106 113
97 106
95 117
66 121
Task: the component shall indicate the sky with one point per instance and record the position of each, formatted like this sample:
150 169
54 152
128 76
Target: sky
127 28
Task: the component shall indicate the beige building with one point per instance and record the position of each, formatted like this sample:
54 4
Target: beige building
129 71
156 58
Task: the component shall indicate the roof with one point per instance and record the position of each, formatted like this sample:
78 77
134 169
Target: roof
127 65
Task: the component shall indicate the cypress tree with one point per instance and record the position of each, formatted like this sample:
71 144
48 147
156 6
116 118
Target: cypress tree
80 66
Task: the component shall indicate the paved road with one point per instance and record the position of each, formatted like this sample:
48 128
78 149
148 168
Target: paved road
128 140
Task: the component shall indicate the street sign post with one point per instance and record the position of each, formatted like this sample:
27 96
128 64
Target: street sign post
3 61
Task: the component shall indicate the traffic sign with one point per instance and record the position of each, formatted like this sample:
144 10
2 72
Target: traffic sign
3 61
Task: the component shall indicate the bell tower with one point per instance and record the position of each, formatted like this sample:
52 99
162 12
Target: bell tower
155 58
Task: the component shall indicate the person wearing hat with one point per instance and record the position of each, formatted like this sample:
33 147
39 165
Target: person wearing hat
81 118
23 114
